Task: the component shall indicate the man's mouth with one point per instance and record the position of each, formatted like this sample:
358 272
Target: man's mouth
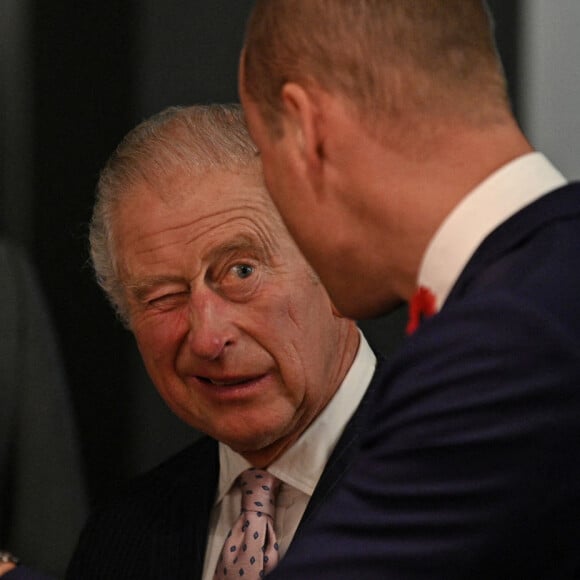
228 382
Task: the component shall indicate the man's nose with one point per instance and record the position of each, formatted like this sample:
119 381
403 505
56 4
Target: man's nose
210 330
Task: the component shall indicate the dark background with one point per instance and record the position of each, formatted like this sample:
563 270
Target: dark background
86 73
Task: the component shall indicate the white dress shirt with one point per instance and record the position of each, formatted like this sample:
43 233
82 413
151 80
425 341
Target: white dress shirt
497 198
299 468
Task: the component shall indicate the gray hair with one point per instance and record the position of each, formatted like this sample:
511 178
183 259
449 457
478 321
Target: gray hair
191 140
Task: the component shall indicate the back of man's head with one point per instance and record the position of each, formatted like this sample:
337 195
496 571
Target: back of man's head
389 58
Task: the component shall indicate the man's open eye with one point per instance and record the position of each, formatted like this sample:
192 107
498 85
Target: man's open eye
243 270
239 280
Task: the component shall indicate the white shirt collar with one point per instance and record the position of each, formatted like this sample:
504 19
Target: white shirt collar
302 465
492 202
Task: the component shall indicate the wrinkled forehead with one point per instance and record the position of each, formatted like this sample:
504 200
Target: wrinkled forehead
174 185
215 194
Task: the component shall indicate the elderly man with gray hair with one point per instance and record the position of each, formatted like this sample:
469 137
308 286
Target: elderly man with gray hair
242 342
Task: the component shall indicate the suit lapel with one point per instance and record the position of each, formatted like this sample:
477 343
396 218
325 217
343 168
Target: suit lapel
182 534
204 503
559 204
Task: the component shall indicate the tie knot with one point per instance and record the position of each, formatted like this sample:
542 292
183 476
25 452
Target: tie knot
259 489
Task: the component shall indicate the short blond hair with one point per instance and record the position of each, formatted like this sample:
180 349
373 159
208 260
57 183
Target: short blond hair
388 57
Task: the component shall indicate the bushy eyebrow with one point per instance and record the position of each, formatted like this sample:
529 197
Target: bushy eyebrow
242 244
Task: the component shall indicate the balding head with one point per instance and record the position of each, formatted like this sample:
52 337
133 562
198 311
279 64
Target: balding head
391 59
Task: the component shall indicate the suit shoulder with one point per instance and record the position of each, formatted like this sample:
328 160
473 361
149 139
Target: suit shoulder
173 477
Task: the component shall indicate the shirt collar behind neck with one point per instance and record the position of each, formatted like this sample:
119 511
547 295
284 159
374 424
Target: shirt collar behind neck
492 202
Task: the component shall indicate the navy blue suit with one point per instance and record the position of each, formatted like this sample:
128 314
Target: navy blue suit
470 467
158 528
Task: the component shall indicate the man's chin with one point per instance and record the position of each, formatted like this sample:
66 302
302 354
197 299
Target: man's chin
251 443
260 449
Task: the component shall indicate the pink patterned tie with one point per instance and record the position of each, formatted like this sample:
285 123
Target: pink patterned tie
251 550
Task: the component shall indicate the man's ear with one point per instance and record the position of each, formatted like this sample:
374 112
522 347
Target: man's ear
303 118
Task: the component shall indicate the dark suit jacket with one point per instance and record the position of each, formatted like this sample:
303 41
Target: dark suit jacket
470 467
158 528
